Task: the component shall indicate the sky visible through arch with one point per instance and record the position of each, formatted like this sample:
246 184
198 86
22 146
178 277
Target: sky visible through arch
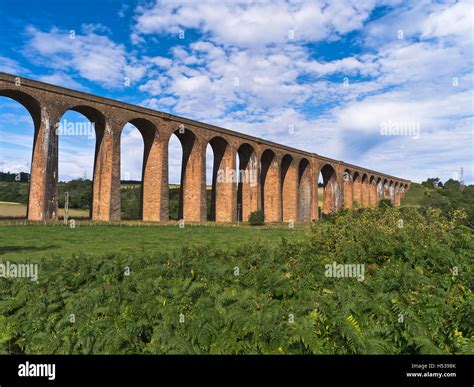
387 85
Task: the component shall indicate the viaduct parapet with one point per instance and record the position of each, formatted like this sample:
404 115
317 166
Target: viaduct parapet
280 180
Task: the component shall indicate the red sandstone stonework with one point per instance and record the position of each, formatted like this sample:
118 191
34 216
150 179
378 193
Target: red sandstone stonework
282 181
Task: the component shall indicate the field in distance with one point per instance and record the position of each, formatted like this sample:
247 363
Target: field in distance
32 241
18 210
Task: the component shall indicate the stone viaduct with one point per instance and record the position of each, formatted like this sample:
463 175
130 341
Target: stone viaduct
280 180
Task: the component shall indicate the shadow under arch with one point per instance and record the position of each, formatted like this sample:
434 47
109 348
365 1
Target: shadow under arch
329 188
347 186
269 183
365 190
150 206
372 190
288 186
304 190
98 122
222 207
247 186
192 191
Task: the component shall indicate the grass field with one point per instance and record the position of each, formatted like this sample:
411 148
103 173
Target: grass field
18 210
129 298
32 241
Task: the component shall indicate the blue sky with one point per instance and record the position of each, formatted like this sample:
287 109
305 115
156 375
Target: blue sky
327 77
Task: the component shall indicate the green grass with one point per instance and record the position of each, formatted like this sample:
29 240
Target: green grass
33 241
280 301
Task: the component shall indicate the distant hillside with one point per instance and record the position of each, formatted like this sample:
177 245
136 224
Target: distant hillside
415 195
80 192
447 197
431 193
17 177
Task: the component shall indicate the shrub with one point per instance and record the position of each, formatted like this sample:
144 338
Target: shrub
411 300
385 203
257 218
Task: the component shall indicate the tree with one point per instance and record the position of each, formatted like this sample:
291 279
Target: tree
430 182
453 185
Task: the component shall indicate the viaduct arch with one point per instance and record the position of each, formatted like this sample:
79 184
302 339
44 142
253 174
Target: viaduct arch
280 180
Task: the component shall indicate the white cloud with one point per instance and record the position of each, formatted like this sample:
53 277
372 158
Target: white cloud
131 153
8 65
62 79
94 57
161 61
153 86
14 118
453 19
418 62
439 153
247 66
249 25
363 65
95 28
159 103
401 107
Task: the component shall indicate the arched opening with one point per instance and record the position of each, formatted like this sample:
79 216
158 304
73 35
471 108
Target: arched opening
222 180
365 190
175 159
372 191
397 194
347 187
247 188
329 187
192 187
391 191
210 190
141 171
379 189
357 189
270 186
304 191
289 188
81 163
131 170
19 121
386 193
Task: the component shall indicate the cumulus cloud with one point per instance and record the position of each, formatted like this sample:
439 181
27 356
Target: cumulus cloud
441 23
131 153
241 78
248 25
94 57
260 68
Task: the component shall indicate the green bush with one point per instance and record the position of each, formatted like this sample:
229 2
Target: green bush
130 201
16 192
416 297
257 218
447 197
80 193
385 203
